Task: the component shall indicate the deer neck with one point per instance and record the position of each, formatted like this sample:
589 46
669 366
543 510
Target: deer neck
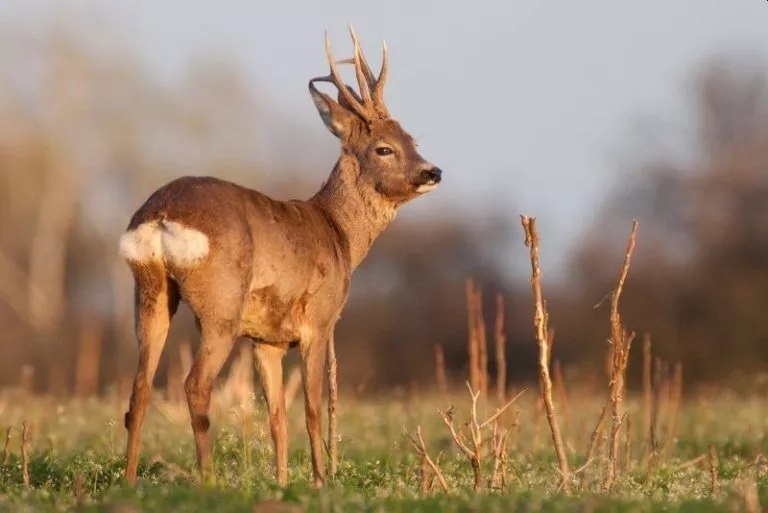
359 212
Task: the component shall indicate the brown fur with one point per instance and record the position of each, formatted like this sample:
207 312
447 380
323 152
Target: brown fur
276 272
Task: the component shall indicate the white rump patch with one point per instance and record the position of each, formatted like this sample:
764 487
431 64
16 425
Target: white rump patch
164 241
141 244
183 246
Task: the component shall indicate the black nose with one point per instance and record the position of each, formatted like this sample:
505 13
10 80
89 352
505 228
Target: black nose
432 175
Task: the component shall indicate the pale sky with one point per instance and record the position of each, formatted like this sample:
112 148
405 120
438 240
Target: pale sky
528 105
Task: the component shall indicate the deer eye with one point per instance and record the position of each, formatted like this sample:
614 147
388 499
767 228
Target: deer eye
384 150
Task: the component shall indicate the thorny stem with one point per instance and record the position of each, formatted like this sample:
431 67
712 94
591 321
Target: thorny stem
540 326
25 452
333 397
421 450
7 447
621 342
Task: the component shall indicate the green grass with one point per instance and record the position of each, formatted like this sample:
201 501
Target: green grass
77 460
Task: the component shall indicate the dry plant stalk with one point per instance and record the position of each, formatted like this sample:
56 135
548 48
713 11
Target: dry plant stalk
7 446
79 486
333 397
431 481
499 445
88 358
558 383
621 342
473 351
440 375
475 427
178 369
482 345
475 454
747 496
675 401
647 395
628 442
421 450
658 380
292 386
597 436
25 437
540 326
659 384
173 389
27 380
504 461
538 421
712 461
238 388
423 473
500 342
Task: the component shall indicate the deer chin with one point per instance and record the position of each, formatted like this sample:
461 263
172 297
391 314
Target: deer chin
426 187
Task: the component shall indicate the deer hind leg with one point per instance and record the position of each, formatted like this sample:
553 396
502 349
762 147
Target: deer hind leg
269 364
312 351
156 300
216 343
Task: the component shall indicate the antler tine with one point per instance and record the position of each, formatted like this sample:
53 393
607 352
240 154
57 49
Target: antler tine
368 73
378 90
362 71
339 83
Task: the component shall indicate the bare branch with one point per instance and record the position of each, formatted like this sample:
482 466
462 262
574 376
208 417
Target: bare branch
333 398
540 327
621 344
421 448
501 410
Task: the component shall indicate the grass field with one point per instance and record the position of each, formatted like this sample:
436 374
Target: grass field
76 459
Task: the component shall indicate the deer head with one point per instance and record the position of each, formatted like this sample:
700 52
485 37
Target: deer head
383 156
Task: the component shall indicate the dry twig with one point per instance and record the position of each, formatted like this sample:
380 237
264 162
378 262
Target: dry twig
558 384
621 342
440 375
475 454
25 437
500 439
647 396
540 326
333 397
482 345
473 350
7 447
597 436
475 427
421 450
500 340
712 461
675 401
628 443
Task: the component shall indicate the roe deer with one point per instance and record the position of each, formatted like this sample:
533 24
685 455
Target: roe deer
276 272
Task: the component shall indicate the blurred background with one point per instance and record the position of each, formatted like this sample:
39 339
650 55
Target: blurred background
585 115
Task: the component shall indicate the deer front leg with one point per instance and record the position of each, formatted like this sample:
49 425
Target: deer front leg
215 346
312 351
269 364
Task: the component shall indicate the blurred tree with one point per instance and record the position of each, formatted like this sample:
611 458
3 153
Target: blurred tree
85 135
700 283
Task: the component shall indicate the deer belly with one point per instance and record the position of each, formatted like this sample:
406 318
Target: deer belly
269 318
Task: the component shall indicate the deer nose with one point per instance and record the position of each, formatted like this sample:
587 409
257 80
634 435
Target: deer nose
432 175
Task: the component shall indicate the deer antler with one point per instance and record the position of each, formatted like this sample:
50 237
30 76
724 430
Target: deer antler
374 85
369 104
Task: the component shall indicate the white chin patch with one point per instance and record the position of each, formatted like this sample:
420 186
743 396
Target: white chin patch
426 187
164 241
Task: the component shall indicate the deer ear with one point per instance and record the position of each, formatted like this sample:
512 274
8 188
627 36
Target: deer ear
336 118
